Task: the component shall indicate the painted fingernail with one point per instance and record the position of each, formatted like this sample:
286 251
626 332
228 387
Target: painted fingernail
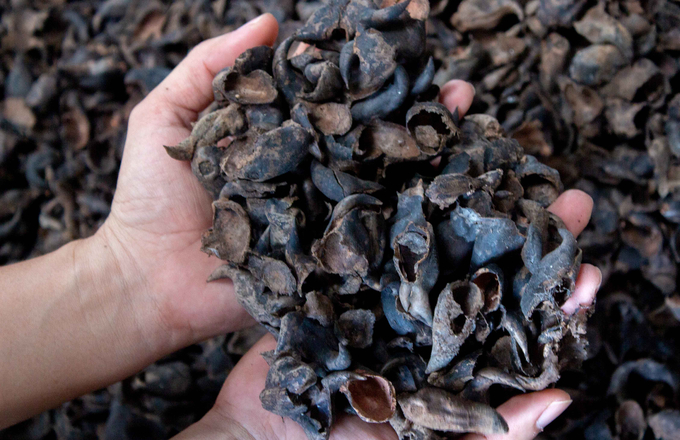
551 412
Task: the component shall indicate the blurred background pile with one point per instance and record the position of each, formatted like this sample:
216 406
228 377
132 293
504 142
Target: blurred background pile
590 87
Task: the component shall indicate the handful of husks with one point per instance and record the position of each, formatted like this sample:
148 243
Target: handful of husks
397 290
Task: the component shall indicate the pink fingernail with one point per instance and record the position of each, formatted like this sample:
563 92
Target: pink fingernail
551 412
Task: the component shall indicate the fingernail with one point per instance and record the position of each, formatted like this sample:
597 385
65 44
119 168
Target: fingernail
600 283
551 412
474 90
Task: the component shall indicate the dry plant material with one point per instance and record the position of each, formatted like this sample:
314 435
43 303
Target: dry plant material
409 289
590 88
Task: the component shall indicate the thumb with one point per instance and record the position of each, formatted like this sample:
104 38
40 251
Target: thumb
187 90
528 414
239 401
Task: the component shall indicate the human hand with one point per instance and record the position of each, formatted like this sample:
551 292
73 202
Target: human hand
238 410
160 210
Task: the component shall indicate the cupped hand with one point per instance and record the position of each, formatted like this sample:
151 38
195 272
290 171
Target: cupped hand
238 407
160 210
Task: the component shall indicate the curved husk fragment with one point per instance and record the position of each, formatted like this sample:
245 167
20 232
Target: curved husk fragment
256 87
540 182
263 117
484 14
312 341
431 124
601 28
368 64
371 396
229 237
454 320
268 155
642 80
490 281
488 239
445 190
415 254
290 82
407 429
320 308
275 274
291 374
559 12
337 185
355 328
390 139
402 322
596 64
253 296
477 389
381 104
327 80
255 58
443 411
553 276
424 80
353 243
331 118
210 129
457 376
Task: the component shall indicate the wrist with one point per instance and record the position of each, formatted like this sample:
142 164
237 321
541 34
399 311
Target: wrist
72 322
106 269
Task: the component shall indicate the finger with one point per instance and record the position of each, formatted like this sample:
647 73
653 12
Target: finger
528 414
352 427
239 400
574 208
587 285
249 371
457 94
188 88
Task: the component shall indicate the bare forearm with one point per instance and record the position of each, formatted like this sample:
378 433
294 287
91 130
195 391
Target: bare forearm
69 324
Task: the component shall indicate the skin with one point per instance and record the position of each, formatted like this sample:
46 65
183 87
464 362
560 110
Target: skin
100 309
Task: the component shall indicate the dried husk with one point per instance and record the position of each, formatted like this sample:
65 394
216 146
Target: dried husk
442 411
361 254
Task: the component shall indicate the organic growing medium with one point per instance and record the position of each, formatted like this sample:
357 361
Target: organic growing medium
398 288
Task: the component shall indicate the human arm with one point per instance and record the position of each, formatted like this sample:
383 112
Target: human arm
71 322
100 309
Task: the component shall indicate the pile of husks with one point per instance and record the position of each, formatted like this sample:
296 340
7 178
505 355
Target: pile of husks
590 88
419 292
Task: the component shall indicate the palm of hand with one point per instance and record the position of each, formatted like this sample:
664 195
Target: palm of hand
159 212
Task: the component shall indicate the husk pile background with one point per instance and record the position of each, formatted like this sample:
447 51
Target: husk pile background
589 88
